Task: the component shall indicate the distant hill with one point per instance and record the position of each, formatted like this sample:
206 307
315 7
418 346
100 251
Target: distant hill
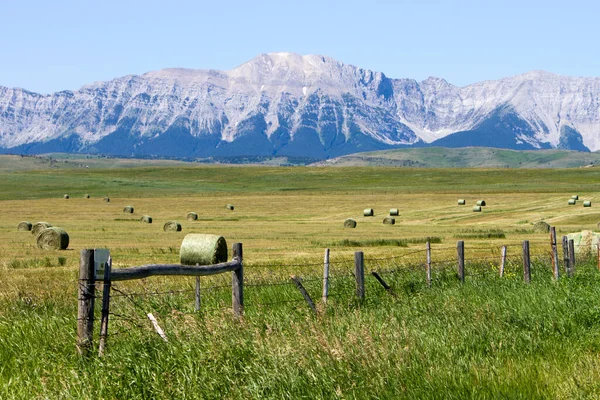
469 157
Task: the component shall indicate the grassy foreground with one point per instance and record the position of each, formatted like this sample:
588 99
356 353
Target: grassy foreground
488 338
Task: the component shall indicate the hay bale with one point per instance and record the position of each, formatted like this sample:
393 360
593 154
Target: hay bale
53 238
229 207
128 209
462 202
146 219
394 211
198 248
24 226
598 225
481 203
477 209
586 243
38 227
66 196
541 227
572 202
192 216
389 221
107 199
368 212
87 196
587 203
349 223
575 197
172 226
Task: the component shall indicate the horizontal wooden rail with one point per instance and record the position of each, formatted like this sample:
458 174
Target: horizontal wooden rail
144 271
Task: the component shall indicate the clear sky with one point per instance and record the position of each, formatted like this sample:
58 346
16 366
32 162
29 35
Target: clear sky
47 46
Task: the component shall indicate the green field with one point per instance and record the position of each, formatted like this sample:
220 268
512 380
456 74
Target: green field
490 337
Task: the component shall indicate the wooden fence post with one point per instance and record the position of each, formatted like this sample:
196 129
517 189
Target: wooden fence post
571 257
554 252
197 294
428 265
85 305
526 262
105 307
298 282
460 250
359 274
502 260
565 245
325 277
237 282
598 250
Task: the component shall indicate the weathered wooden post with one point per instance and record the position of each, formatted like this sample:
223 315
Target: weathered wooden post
325 277
598 251
359 274
298 282
526 262
460 250
565 245
554 252
502 260
571 257
197 294
237 282
85 305
105 307
428 265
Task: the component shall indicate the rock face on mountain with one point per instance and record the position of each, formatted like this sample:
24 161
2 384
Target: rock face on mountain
291 105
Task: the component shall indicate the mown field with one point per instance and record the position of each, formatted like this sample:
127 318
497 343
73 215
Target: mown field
490 337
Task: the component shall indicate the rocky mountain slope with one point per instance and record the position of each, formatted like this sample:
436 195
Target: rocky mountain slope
305 106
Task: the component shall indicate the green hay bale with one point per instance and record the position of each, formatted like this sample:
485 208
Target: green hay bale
389 221
24 226
349 223
107 199
477 209
128 209
146 219
86 196
192 216
66 196
572 202
172 226
462 202
229 207
368 212
575 197
541 227
198 248
481 203
53 238
38 227
587 203
394 211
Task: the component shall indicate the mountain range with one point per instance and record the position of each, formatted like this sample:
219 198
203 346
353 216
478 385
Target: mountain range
285 104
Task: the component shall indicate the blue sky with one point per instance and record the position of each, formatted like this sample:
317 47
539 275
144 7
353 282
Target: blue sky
47 46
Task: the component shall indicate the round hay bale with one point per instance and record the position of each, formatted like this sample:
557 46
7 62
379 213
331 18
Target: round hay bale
572 202
172 226
481 203
107 199
53 238
389 221
541 227
192 216
575 197
349 223
38 227
198 248
24 226
462 202
368 212
66 196
229 207
587 203
586 243
394 211
477 209
146 219
128 209
86 196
